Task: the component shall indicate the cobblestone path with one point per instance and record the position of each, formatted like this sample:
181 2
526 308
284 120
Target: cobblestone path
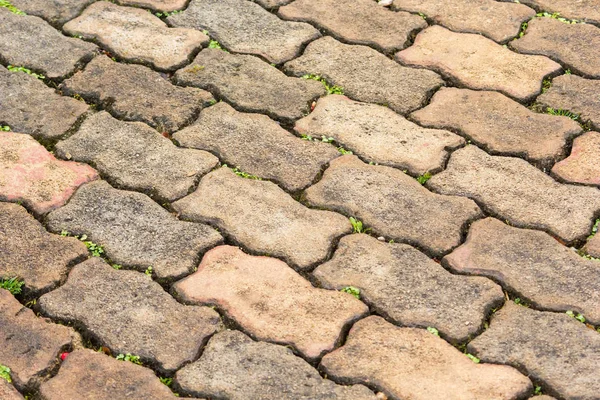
299 199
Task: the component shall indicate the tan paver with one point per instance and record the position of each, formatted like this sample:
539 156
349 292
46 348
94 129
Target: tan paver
586 10
592 246
8 392
56 12
582 165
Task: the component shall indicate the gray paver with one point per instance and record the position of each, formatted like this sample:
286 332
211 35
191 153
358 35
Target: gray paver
56 12
586 10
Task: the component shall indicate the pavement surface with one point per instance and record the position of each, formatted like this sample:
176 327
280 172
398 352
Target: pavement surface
299 199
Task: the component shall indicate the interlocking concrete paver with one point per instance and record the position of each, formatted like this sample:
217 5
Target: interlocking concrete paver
8 392
90 375
575 94
257 145
134 230
496 20
366 75
551 348
512 189
499 124
533 264
577 46
135 35
250 84
130 313
136 93
245 27
393 204
29 174
378 134
30 253
409 288
29 106
30 42
586 10
582 165
357 21
156 5
592 246
30 346
271 301
410 363
263 218
478 63
135 157
235 367
56 12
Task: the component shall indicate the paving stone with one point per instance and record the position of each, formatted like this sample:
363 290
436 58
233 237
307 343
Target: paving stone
270 4
531 263
56 12
366 75
257 145
499 124
235 367
577 46
136 93
410 363
357 21
513 190
30 42
250 84
576 94
30 345
263 218
134 230
586 10
8 392
135 35
156 5
29 106
87 374
582 164
29 252
551 348
496 20
29 174
136 157
242 26
271 301
478 63
393 204
409 288
592 246
378 134
130 313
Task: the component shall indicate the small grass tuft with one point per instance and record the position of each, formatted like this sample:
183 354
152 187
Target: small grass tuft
422 179
148 271
576 315
352 290
331 89
559 18
564 113
357 226
4 128
166 381
12 68
473 358
242 174
96 249
14 285
129 357
433 331
5 373
7 4
166 14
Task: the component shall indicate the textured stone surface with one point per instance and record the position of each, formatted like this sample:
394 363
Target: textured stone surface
134 230
496 20
8 392
270 4
533 264
250 84
235 367
135 35
478 63
499 124
378 134
393 204
92 375
156 5
366 75
582 165
552 348
263 218
577 46
134 156
130 313
257 145
271 301
512 189
409 288
576 94
136 93
30 42
242 26
57 12
410 363
586 10
592 246
30 345
29 252
29 174
29 106
357 21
